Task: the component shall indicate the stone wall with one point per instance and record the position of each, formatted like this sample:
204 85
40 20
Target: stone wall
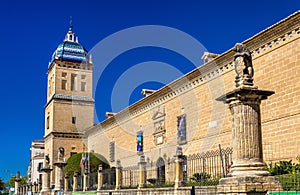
276 60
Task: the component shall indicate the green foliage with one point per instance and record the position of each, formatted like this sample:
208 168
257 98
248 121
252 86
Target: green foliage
198 177
152 181
2 184
11 181
290 182
283 167
202 179
73 163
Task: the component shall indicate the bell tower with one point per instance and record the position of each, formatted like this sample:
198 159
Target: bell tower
70 105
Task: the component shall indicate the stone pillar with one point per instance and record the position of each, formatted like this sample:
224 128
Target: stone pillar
21 190
66 183
178 168
75 182
17 183
59 176
34 188
45 181
247 173
30 187
86 180
118 175
142 171
39 185
24 189
100 177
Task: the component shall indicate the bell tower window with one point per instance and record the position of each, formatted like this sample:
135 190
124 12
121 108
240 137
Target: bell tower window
73 82
73 120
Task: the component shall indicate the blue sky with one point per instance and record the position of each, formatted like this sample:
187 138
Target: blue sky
31 30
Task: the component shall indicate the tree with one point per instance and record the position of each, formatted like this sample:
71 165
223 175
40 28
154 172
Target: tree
2 184
73 163
11 181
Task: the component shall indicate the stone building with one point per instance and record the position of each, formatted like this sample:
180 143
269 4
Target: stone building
36 161
184 113
70 106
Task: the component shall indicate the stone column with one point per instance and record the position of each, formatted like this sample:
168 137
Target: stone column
66 183
178 168
30 187
34 188
75 182
86 180
118 175
247 173
46 180
59 176
142 171
100 177
17 183
39 185
24 189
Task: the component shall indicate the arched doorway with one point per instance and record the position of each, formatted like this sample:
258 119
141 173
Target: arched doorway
161 171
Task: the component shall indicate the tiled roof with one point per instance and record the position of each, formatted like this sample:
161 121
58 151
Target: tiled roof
73 97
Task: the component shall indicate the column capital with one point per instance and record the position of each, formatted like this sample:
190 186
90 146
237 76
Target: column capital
240 95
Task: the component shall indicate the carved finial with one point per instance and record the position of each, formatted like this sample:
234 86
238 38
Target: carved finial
243 66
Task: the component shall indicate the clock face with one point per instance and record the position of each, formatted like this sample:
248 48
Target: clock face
239 65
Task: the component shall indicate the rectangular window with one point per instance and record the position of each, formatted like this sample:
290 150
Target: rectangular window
181 126
73 120
83 84
73 82
40 166
112 151
64 84
82 77
64 74
48 122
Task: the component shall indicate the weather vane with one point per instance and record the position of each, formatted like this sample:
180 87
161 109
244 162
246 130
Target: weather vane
71 26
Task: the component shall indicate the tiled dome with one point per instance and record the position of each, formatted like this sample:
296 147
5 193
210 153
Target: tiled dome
70 50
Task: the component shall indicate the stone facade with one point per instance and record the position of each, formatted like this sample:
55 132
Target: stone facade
70 106
37 159
276 59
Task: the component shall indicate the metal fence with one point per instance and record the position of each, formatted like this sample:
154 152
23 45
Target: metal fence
213 164
130 176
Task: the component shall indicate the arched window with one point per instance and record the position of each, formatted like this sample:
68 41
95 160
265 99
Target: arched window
161 172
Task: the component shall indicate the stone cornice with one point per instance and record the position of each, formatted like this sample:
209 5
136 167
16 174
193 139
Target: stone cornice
71 98
69 64
71 135
282 32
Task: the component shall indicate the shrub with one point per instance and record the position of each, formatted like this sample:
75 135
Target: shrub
198 177
73 163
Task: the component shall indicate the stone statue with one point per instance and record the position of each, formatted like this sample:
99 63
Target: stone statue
243 66
47 160
61 153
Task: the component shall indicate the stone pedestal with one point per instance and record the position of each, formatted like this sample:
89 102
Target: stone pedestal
142 172
86 181
118 175
59 176
66 183
46 180
17 183
178 168
247 173
100 178
75 182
